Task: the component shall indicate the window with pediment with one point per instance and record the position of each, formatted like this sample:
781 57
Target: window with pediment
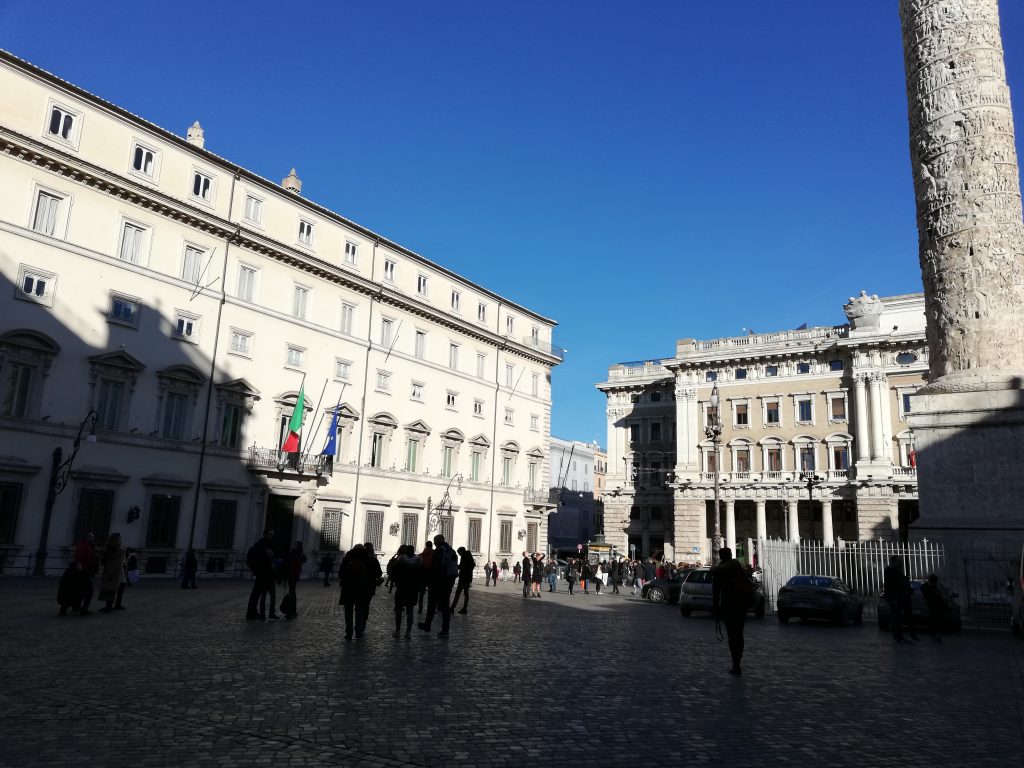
112 379
177 393
25 359
235 402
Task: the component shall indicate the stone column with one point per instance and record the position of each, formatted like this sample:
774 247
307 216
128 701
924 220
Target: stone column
967 187
762 520
860 400
827 534
686 429
792 508
730 525
877 404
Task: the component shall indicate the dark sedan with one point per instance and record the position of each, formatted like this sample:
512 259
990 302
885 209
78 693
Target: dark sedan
819 597
665 589
951 621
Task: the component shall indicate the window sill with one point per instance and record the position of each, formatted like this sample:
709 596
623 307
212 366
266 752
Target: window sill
382 391
185 339
288 367
124 323
246 355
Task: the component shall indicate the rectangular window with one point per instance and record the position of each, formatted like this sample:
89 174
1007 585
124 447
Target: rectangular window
241 342
447 459
254 209
481 312
330 530
456 301
348 312
835 365
509 416
506 471
453 356
383 381
741 373
510 325
481 362
412 454
451 399
743 460
351 250
342 369
109 403
389 270
531 476
10 507
231 425
173 426
774 458
838 409
634 433
474 466
531 536
186 327
535 336
655 432
246 282
742 414
305 232
506 536
192 264
377 450
420 349
410 528
18 392
144 160
44 220
803 367
162 531
387 328
93 516
417 391
535 385
806 459
478 407
300 301
221 531
510 374
804 411
771 370
840 457
446 525
475 534
295 356
35 285
534 422
131 243
421 285
202 186
905 397
771 413
62 126
374 529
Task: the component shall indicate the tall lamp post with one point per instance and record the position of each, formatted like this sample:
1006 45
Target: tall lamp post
59 472
713 432
812 481
444 506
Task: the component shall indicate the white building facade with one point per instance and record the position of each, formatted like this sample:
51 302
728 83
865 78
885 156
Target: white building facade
185 301
814 442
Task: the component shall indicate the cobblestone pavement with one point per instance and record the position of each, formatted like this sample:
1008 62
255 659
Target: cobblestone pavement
180 679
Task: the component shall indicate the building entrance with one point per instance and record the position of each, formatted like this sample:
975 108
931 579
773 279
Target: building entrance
281 517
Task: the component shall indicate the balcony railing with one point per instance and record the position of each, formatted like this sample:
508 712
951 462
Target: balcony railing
774 476
838 475
546 347
905 473
274 459
540 496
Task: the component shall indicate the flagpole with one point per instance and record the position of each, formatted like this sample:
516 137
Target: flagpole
304 454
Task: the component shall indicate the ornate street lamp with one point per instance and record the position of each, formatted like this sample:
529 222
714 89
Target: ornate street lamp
444 506
713 432
59 473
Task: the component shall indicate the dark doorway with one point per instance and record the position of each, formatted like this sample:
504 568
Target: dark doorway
908 511
280 516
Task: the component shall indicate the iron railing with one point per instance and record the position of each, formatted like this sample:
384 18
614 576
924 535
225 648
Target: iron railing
274 459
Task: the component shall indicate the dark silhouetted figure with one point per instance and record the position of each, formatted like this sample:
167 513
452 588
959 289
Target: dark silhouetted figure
356 582
260 560
444 569
188 570
466 566
731 595
327 568
936 607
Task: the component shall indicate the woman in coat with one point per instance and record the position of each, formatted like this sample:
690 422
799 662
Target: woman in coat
113 572
356 589
293 569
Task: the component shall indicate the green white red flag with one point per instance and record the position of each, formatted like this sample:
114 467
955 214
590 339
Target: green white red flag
291 442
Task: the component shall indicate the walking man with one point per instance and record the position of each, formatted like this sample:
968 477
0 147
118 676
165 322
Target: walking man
466 566
444 569
527 574
261 563
552 572
732 592
896 592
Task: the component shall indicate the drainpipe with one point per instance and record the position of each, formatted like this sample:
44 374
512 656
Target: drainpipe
494 434
213 367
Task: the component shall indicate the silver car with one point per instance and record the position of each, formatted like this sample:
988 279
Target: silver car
695 593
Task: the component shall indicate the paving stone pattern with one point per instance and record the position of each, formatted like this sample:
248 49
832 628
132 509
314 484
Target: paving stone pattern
180 679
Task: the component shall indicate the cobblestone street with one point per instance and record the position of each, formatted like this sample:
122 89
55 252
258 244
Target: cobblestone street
180 679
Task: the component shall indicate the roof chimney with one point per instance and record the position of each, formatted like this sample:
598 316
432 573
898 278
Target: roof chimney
195 135
292 183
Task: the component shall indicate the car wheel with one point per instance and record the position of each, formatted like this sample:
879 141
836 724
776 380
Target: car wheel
686 612
883 624
783 617
859 618
759 610
655 595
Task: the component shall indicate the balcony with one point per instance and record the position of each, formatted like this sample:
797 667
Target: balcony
545 347
905 473
838 475
274 460
774 476
543 497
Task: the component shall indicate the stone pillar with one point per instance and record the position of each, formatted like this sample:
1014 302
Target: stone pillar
827 534
686 430
762 520
860 400
877 403
971 237
793 517
689 525
730 525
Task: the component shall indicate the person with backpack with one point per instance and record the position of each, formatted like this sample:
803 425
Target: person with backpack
444 569
466 566
260 560
732 594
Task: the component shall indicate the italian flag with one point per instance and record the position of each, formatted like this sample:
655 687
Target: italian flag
291 443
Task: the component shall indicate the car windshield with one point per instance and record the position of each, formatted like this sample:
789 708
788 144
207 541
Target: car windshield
824 582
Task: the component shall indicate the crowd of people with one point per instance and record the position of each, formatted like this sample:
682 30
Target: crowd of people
119 570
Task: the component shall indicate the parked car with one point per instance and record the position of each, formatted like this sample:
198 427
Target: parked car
695 593
663 590
819 597
919 609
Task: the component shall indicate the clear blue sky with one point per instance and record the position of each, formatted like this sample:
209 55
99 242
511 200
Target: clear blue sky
640 171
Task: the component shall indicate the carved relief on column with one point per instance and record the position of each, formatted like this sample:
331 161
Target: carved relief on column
967 187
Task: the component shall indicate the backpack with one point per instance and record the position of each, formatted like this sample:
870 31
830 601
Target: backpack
451 562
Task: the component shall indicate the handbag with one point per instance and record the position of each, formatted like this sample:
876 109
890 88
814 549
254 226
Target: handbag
133 577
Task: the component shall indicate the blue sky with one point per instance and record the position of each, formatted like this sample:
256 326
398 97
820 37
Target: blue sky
639 171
